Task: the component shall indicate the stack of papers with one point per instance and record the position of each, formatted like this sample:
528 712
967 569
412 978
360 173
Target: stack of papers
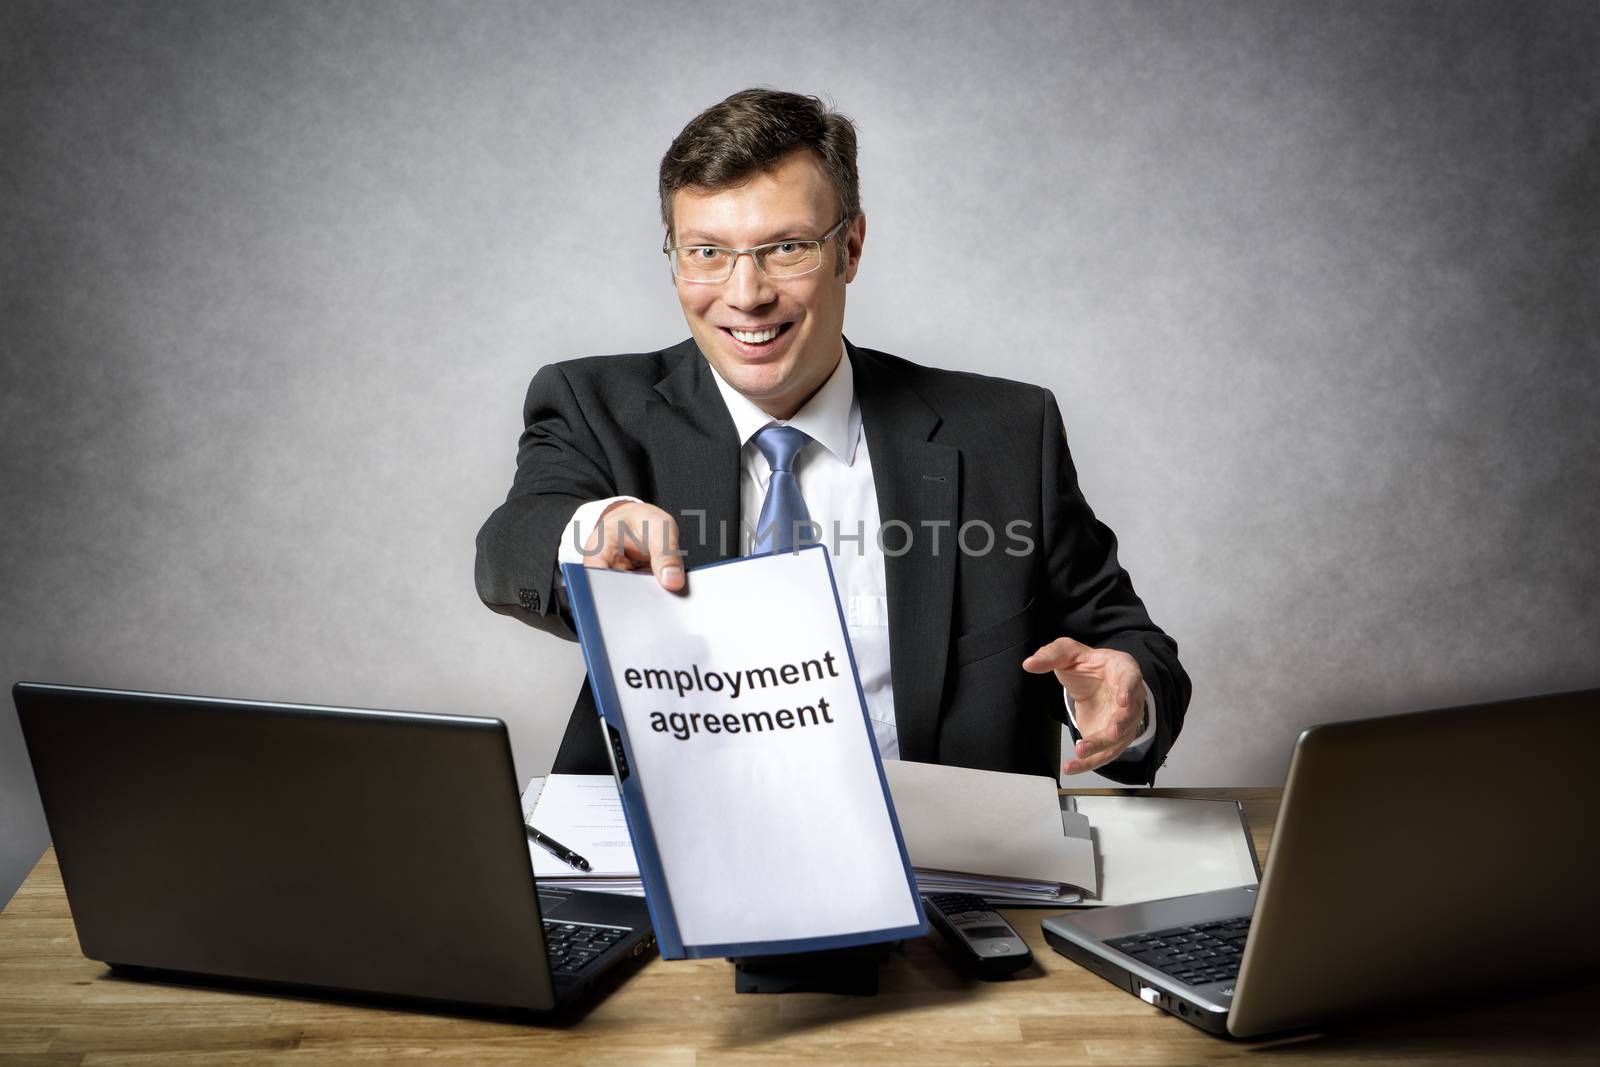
966 831
584 813
1001 836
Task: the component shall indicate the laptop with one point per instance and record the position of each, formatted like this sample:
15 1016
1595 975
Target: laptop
338 851
1398 873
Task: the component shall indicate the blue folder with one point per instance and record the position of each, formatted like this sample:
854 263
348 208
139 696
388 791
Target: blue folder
632 789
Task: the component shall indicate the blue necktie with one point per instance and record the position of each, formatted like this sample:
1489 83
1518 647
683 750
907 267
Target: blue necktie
784 507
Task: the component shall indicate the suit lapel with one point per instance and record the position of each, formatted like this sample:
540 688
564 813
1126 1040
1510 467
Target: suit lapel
918 483
694 452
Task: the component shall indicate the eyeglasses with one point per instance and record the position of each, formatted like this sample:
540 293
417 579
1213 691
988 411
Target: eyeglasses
713 264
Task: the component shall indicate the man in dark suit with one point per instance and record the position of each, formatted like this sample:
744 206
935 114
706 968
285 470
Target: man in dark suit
984 600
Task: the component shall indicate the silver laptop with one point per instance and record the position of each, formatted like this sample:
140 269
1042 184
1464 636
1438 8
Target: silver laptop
1395 875
365 854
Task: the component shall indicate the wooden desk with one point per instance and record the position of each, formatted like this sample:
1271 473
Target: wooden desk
58 1008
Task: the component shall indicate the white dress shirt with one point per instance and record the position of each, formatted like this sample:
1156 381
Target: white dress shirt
834 473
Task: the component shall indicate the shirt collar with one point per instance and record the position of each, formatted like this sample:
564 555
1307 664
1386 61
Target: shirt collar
831 417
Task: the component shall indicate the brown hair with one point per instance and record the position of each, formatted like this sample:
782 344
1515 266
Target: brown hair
728 143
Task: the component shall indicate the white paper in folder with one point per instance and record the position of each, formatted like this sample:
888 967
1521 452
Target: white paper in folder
1004 829
1149 848
752 791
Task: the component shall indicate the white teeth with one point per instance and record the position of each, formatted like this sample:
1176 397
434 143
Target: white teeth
755 337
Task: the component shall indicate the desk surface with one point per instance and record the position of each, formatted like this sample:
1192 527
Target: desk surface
57 1007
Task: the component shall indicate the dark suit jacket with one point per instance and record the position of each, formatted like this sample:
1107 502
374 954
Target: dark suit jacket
946 447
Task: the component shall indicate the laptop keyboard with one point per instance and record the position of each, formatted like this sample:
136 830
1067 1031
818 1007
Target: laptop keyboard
573 947
1194 955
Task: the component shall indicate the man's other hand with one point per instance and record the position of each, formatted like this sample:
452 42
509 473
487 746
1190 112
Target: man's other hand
1107 691
633 536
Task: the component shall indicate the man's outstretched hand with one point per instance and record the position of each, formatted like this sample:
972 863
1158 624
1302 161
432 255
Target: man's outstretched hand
1107 691
633 536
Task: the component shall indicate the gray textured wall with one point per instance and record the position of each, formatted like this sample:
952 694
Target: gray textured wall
1315 285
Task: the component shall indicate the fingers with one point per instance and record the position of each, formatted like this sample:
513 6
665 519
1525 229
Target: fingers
1092 754
603 548
634 536
1108 729
1061 654
1084 764
666 561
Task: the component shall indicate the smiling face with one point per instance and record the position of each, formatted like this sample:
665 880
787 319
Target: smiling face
776 342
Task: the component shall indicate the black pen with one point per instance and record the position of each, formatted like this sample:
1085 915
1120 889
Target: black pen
557 849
